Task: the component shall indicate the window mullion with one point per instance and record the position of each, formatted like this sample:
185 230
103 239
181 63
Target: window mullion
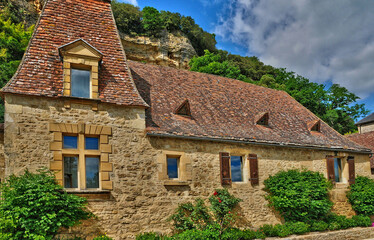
82 162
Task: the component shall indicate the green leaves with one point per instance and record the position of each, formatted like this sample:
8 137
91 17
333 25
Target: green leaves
34 206
361 196
299 195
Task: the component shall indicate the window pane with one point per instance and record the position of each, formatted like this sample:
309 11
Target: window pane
337 168
92 172
70 172
92 143
70 142
172 167
236 168
80 83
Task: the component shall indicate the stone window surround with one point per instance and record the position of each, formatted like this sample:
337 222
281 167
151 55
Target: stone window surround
344 170
81 129
184 168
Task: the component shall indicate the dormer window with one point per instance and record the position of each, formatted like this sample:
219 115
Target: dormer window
262 119
184 109
315 126
81 69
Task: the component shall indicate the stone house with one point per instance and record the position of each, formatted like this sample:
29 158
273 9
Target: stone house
139 139
365 136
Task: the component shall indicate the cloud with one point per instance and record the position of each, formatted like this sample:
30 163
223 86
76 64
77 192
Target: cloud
317 39
133 2
207 3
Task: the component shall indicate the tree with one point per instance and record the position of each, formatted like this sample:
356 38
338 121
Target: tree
211 63
13 42
34 206
152 20
128 18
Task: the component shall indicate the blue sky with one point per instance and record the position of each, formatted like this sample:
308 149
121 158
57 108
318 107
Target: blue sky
325 41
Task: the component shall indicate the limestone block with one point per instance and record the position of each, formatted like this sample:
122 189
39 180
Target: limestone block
57 155
56 146
54 127
106 167
58 175
106 131
56 165
103 139
105 176
104 157
57 136
106 148
107 185
92 129
81 127
12 108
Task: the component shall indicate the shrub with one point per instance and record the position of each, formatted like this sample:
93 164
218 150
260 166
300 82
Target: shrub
319 226
190 216
151 236
103 237
212 232
33 206
298 227
237 234
362 221
268 230
299 195
361 196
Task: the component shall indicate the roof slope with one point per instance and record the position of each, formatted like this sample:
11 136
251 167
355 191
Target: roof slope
61 22
225 108
365 139
367 119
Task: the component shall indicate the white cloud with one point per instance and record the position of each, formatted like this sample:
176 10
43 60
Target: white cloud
317 39
133 2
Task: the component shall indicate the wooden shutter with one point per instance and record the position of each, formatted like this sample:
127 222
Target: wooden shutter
330 168
253 168
351 169
224 158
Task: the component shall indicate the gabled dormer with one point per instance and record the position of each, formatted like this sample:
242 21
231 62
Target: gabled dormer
81 69
314 126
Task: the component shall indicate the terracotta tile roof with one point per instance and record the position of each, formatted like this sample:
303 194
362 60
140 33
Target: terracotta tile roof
61 22
367 119
224 108
366 140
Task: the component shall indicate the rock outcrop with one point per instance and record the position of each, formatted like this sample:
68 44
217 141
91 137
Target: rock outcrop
168 50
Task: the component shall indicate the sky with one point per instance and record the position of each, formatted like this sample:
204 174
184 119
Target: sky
324 41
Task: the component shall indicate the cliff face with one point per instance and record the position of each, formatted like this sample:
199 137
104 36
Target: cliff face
168 50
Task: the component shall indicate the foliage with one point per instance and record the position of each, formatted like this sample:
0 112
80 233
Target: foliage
33 206
197 216
189 216
211 63
152 21
128 18
361 196
103 237
335 105
19 11
299 195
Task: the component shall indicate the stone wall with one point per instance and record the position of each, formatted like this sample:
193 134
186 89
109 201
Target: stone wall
369 127
140 201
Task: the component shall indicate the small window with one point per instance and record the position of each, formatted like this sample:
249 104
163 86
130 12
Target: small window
70 142
92 143
316 127
184 109
71 172
264 120
338 169
80 83
173 166
236 168
92 172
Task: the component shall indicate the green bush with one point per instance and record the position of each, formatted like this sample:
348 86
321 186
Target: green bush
299 195
362 221
103 237
33 206
318 226
268 230
190 216
298 227
237 234
151 236
361 196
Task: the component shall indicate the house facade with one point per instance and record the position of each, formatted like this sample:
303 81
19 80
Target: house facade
139 139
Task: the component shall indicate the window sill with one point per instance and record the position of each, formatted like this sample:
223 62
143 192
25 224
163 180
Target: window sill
175 183
91 195
81 98
341 185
